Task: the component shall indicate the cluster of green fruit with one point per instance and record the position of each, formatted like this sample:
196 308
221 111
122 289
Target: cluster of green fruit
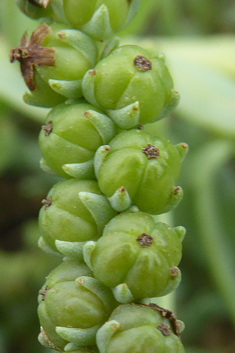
116 176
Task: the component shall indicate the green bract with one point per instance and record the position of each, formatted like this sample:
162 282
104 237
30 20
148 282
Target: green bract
132 86
140 329
73 213
53 62
71 136
140 169
72 306
136 257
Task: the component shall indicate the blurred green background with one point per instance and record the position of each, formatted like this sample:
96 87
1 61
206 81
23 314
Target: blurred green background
198 39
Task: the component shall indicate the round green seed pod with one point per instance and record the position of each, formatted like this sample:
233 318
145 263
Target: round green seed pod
140 329
54 58
140 169
73 213
136 257
132 86
72 307
72 134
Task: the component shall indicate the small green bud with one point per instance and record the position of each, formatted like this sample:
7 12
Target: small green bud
140 329
74 211
132 86
72 306
143 166
56 58
72 134
136 256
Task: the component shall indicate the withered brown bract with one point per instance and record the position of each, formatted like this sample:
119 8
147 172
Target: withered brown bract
30 53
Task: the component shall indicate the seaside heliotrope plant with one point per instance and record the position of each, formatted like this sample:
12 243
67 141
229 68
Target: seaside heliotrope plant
136 256
99 300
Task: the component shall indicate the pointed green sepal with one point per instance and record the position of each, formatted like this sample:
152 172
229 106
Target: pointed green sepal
46 248
182 149
88 85
99 26
181 232
173 283
103 125
82 337
112 44
103 292
123 294
44 340
99 207
87 252
127 117
100 156
81 42
176 197
39 101
105 333
120 200
70 249
80 171
69 89
45 167
171 105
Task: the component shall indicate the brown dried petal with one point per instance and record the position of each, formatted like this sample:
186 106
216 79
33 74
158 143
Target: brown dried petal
31 54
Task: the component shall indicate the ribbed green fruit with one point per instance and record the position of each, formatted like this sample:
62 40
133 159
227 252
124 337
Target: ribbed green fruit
133 86
140 329
69 139
72 307
140 169
136 257
74 212
100 19
53 62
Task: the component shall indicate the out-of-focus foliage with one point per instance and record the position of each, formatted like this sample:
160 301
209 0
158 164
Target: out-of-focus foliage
198 39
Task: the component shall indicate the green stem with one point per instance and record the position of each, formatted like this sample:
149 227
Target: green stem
206 165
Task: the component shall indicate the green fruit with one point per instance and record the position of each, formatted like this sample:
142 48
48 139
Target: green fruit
71 136
74 212
72 306
53 62
100 18
132 86
136 257
140 329
140 169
